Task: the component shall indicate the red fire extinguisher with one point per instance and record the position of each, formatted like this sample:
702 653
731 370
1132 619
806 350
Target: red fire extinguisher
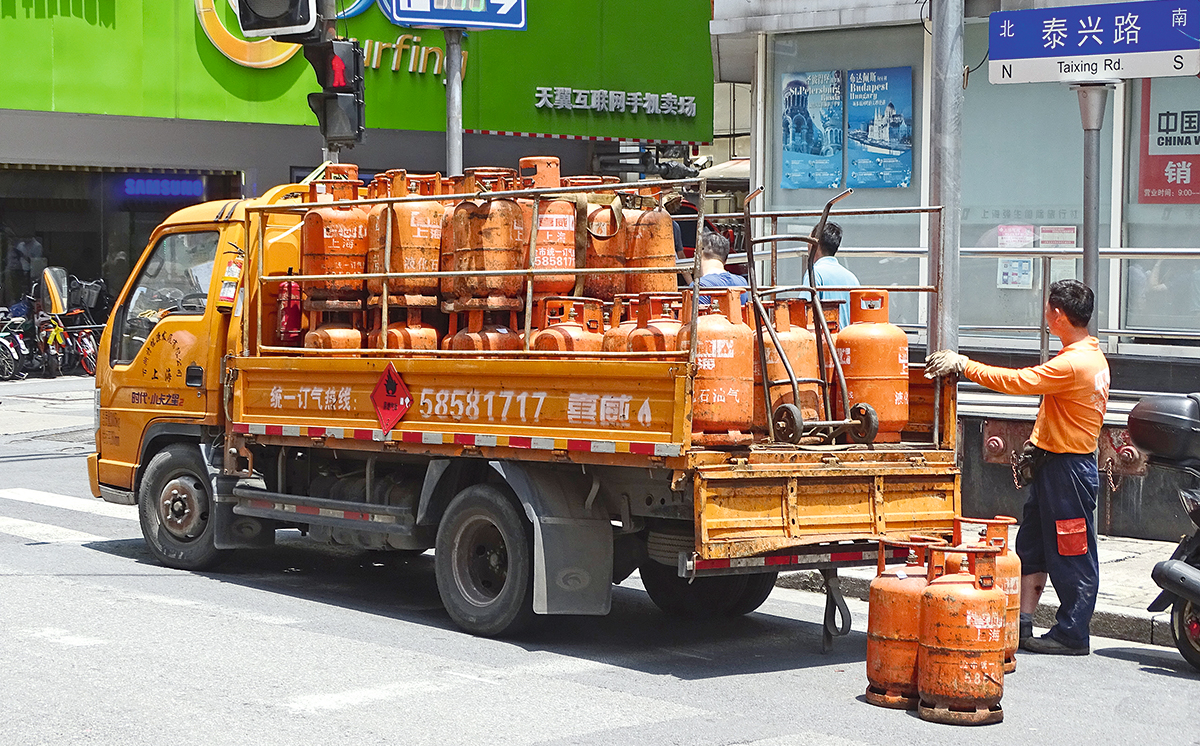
287 324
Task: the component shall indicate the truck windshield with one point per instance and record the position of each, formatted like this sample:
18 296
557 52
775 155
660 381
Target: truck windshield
174 280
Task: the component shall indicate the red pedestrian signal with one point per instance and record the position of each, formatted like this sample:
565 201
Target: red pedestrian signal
339 106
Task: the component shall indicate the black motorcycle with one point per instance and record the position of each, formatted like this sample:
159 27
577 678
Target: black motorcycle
1168 429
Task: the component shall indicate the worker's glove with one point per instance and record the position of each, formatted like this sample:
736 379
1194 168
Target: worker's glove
945 362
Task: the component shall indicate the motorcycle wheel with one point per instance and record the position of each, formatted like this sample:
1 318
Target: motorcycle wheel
1185 629
9 362
86 344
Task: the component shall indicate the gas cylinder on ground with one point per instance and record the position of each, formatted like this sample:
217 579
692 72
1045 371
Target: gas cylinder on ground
800 347
572 324
606 242
334 241
622 321
894 627
874 358
650 243
555 244
411 334
722 406
960 661
658 323
1008 575
489 235
288 315
488 331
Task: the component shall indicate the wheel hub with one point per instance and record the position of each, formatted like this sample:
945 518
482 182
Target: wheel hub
482 569
182 507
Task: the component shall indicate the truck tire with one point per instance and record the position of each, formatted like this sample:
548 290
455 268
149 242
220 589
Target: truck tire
1185 629
173 509
483 561
758 588
701 598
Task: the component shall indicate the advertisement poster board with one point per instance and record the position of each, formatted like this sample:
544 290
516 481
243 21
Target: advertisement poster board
1170 145
811 130
879 113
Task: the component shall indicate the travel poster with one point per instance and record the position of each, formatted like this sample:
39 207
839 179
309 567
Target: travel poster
879 114
811 130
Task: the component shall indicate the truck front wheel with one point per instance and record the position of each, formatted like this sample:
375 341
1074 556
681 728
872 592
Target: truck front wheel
173 507
484 563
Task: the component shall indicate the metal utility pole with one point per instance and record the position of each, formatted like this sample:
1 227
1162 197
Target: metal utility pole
454 129
1092 100
946 169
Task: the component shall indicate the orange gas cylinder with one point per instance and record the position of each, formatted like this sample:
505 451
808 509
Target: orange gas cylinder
450 185
722 406
657 323
801 350
555 245
605 249
960 661
622 321
416 241
391 183
572 324
806 367
874 358
488 236
411 334
334 242
488 331
1008 575
334 336
651 243
894 627
580 181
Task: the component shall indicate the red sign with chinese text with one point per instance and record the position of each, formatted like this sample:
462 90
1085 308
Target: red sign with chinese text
1169 153
391 399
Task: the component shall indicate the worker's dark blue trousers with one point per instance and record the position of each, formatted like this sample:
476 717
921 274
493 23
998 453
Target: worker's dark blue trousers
1058 536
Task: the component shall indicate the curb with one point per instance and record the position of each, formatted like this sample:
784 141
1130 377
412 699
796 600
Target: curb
1114 622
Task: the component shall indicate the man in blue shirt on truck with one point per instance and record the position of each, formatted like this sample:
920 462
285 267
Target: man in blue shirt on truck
830 273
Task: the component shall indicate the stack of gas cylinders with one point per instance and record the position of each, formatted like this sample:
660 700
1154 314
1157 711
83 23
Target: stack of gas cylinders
942 629
459 231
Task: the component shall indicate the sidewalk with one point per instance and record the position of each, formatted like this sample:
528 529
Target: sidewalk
1125 590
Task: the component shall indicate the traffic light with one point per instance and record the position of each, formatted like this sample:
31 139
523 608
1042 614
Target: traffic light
339 106
276 17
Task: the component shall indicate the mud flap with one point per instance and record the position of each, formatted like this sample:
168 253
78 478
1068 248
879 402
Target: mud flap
572 538
231 531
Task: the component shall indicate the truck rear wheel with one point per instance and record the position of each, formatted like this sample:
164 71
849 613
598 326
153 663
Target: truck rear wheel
173 508
758 588
700 598
484 563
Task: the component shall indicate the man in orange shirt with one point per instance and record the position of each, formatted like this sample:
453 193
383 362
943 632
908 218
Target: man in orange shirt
1058 531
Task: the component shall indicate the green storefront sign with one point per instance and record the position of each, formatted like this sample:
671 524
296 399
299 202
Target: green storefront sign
636 69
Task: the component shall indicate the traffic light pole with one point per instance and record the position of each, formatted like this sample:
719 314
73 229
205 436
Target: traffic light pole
1092 100
454 128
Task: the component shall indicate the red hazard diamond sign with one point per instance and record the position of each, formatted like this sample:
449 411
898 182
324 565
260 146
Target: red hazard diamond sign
391 398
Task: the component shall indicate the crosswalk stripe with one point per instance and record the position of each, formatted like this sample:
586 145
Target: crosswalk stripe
43 532
83 505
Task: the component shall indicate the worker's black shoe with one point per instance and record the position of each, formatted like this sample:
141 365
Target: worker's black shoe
1047 645
1026 629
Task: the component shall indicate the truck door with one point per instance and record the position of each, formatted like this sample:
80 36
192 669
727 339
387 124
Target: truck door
161 351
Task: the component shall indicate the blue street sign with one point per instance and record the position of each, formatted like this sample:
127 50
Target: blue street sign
499 14
1083 43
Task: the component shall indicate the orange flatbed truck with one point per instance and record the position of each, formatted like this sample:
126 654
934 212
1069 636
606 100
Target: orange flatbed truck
539 480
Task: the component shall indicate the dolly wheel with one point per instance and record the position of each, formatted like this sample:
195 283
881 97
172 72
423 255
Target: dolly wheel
789 423
867 425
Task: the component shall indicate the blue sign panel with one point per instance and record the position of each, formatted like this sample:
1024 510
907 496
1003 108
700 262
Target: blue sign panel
1082 43
498 14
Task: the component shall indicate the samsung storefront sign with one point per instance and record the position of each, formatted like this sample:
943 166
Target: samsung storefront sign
159 187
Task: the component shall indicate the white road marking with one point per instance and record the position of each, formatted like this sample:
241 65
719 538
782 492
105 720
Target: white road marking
359 697
42 532
62 637
83 505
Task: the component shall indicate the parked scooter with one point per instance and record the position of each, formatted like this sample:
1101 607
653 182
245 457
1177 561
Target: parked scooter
1168 429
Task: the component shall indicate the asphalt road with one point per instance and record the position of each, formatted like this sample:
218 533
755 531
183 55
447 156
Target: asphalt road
304 644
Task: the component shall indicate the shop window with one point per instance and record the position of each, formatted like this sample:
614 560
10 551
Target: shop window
174 281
